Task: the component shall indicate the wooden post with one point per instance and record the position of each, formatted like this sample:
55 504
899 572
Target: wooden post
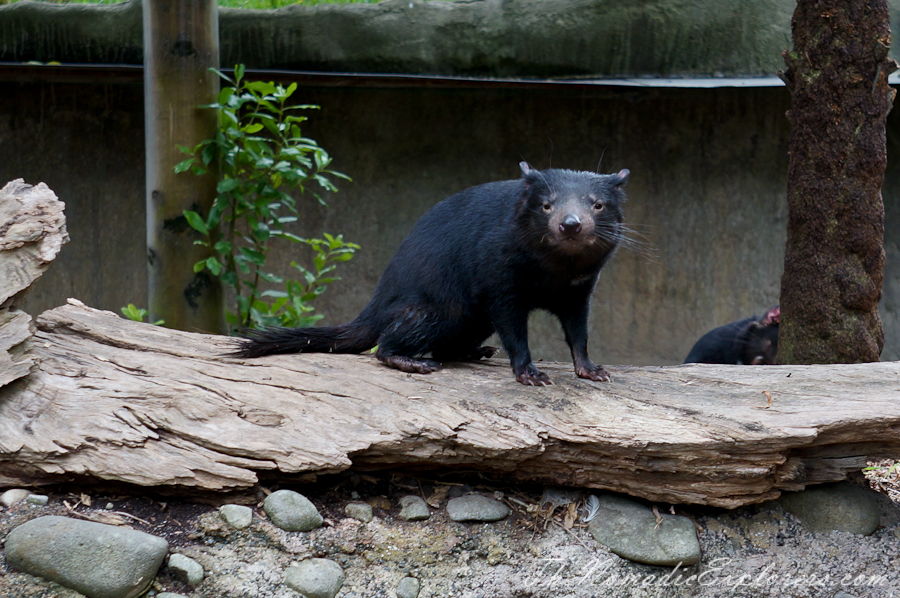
181 43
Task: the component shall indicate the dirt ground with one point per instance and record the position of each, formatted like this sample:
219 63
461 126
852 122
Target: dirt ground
539 551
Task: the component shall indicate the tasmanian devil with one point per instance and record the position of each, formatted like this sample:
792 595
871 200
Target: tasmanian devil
479 262
752 341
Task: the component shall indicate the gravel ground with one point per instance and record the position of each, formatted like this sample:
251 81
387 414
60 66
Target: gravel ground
757 551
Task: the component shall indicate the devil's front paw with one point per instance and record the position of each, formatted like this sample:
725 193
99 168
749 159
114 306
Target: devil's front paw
592 372
531 376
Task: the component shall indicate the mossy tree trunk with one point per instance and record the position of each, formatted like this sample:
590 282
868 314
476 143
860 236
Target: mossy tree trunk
834 261
181 43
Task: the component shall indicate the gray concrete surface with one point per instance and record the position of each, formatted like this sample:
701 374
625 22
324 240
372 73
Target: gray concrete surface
707 188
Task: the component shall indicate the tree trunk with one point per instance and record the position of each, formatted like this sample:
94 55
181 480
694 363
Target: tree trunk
181 43
834 260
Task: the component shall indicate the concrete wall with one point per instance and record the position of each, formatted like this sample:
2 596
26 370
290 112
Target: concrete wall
707 188
707 191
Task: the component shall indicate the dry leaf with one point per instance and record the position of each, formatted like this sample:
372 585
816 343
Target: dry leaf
435 500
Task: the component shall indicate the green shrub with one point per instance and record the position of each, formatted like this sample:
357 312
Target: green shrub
260 156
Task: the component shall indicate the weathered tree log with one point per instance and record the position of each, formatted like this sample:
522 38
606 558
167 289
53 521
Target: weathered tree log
121 400
111 399
32 230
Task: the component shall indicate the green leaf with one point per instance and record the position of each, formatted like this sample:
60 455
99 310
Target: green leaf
253 128
199 266
196 222
261 87
214 265
184 165
208 154
253 256
226 185
132 312
230 278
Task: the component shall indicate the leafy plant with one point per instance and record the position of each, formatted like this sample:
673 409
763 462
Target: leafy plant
137 314
261 156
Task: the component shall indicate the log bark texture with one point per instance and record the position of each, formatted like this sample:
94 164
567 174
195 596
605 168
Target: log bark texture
834 257
104 398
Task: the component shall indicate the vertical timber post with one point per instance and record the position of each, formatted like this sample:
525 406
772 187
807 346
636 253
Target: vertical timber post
181 43
834 258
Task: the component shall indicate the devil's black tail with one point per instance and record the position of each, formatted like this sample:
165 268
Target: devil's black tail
354 337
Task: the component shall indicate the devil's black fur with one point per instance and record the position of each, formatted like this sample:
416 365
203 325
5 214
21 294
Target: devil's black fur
479 262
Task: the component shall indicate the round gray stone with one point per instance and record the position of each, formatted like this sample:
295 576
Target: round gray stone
98 560
13 496
843 507
408 588
474 507
361 511
630 530
292 511
237 516
315 578
186 569
414 508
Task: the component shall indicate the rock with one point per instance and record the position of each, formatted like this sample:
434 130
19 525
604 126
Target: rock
237 516
315 578
170 595
292 511
359 510
842 506
98 560
414 508
474 507
11 497
37 499
408 588
186 569
630 530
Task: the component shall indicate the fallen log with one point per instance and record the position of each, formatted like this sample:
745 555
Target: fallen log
112 399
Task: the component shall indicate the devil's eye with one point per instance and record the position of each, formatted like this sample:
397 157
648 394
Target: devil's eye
547 207
598 206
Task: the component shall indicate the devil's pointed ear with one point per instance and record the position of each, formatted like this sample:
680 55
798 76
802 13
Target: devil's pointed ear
526 168
620 178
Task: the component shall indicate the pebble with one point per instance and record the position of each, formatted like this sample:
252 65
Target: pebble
360 511
186 569
630 530
842 507
475 507
315 578
408 588
98 560
11 497
237 516
170 595
37 499
414 508
292 511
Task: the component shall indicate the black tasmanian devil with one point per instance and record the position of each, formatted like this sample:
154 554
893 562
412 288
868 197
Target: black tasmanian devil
479 262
